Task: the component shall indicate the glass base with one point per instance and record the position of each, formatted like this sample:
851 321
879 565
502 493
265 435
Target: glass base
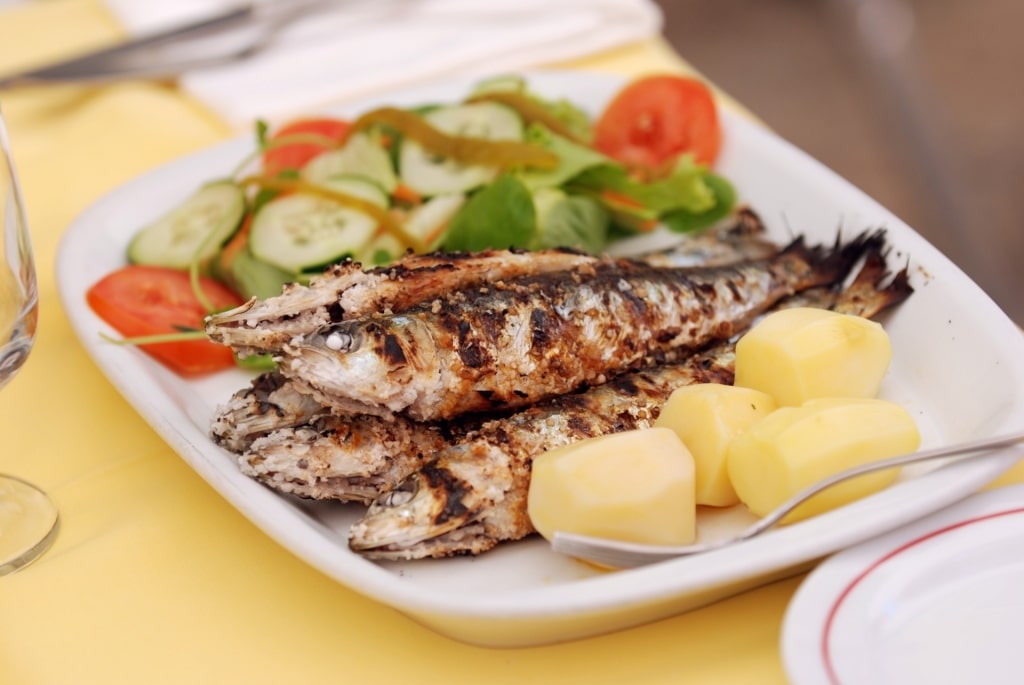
28 523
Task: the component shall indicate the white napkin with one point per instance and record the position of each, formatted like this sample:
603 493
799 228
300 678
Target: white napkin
358 48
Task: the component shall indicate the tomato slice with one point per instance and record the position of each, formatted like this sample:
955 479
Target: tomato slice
140 300
296 155
657 118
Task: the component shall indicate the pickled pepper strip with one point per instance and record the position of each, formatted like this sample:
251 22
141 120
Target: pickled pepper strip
384 219
499 153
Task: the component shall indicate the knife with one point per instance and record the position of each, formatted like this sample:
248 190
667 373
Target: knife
230 35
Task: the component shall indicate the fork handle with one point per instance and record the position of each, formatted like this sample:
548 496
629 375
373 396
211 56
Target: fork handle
621 554
979 447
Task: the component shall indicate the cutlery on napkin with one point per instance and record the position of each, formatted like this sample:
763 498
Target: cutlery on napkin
351 49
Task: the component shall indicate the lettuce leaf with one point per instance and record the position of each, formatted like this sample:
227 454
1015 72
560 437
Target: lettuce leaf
566 220
573 159
685 188
499 215
685 221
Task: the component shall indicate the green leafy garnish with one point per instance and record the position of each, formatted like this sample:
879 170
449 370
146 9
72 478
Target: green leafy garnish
685 221
499 215
573 159
685 188
569 221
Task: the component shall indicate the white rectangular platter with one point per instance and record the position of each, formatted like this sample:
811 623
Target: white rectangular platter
958 367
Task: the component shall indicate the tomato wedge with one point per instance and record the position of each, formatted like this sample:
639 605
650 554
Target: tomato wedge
655 119
296 155
140 300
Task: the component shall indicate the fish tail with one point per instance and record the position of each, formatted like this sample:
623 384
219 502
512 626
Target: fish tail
832 265
874 288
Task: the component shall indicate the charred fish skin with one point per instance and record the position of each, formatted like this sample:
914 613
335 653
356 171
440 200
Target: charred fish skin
484 479
273 404
344 458
874 290
358 458
345 291
270 402
513 344
389 530
744 238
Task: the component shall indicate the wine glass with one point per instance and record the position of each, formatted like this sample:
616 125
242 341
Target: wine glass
28 518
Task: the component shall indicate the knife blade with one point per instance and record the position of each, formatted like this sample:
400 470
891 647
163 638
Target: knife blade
230 35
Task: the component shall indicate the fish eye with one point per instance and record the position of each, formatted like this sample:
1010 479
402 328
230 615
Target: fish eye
341 338
401 494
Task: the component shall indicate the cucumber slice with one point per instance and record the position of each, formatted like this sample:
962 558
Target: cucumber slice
194 230
381 250
430 219
361 155
358 186
302 231
427 222
429 174
252 277
501 84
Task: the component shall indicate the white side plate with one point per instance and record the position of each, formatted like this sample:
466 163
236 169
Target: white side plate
938 601
959 368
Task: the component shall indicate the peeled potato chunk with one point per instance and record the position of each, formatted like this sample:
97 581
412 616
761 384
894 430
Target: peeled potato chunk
794 447
707 417
635 486
800 354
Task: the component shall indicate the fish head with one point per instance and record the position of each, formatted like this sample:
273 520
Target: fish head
367 365
424 506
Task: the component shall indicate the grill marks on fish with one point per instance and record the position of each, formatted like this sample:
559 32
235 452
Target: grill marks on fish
269 403
285 439
390 530
358 458
442 480
345 458
484 478
441 488
344 291
743 239
392 352
510 344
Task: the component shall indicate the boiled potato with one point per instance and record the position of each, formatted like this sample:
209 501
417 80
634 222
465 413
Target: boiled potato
794 447
707 417
636 486
799 354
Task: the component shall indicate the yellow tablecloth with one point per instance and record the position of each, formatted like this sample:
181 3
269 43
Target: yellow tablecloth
155 578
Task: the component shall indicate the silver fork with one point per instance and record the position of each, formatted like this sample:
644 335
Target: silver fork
618 554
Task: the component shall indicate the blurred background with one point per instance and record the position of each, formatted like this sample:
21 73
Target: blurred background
919 103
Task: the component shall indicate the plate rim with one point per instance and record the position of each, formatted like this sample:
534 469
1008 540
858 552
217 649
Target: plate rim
812 609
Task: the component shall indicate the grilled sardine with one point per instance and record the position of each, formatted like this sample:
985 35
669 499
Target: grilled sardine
510 344
345 291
